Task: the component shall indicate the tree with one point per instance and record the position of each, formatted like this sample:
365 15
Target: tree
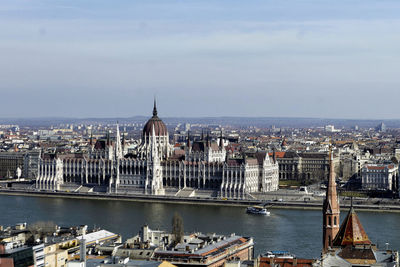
177 228
41 229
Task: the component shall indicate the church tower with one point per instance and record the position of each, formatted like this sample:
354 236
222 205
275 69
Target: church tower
331 209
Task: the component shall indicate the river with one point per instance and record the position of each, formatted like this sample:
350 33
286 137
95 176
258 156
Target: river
297 231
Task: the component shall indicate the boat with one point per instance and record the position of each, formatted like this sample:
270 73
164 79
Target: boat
257 210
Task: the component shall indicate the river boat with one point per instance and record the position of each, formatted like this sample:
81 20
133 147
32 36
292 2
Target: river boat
259 210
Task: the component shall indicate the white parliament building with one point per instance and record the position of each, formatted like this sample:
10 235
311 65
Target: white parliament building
203 168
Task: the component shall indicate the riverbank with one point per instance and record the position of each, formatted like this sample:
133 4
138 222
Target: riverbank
315 205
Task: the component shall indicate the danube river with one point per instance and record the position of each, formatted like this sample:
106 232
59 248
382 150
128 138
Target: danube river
297 231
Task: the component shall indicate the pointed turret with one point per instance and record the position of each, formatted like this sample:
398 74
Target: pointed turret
91 138
108 138
331 209
221 141
118 145
274 155
123 141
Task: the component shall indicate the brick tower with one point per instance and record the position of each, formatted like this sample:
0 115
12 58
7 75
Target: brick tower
331 209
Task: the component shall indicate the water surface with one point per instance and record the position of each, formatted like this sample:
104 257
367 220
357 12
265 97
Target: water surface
297 231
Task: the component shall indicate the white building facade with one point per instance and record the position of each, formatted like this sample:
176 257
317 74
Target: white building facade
379 176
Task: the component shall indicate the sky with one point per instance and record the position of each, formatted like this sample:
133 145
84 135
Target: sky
298 58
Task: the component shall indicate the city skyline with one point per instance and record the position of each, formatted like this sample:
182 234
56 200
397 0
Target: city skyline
208 59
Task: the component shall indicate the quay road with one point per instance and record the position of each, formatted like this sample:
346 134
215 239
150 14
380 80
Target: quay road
280 199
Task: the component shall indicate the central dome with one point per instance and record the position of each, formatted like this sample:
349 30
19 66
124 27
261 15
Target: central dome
159 127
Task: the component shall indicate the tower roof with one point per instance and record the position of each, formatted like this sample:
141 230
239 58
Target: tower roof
331 204
351 232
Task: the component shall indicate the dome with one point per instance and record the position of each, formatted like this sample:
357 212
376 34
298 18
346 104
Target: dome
159 127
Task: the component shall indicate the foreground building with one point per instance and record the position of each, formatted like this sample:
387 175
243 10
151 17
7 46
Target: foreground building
348 245
155 168
195 249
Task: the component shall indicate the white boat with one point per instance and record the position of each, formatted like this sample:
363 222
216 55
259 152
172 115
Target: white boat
257 210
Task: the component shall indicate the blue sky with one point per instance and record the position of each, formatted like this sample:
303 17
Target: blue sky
332 59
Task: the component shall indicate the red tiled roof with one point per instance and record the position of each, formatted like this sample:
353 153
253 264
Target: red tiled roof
371 167
351 232
285 262
278 154
375 167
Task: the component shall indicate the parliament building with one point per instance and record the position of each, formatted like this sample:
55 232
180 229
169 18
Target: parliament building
203 168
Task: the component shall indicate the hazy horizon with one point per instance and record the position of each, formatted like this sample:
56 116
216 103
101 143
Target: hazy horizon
101 59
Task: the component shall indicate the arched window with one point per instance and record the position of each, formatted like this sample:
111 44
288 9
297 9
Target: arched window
334 221
329 221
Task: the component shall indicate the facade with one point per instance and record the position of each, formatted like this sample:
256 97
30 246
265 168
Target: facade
156 168
15 256
54 256
305 166
38 255
351 164
9 163
19 164
379 176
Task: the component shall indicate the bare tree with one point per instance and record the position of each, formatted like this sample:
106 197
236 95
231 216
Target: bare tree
177 228
41 229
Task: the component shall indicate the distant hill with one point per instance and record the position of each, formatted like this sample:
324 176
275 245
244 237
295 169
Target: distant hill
263 122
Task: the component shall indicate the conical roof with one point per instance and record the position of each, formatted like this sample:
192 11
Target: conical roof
351 232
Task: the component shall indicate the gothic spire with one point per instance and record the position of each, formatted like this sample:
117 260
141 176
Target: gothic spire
221 141
155 108
118 148
331 208
274 155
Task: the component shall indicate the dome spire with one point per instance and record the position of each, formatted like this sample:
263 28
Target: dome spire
155 108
